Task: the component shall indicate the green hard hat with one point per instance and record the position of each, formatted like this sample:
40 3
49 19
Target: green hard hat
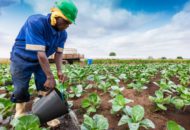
68 8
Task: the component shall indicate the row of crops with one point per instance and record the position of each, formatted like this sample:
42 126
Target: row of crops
109 80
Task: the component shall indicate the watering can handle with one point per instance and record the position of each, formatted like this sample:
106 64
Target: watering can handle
49 91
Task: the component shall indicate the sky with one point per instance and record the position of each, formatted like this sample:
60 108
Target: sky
130 28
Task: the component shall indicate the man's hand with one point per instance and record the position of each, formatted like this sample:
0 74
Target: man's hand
61 76
50 83
43 60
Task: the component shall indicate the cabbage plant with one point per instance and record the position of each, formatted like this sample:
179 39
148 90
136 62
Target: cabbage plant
91 103
98 122
134 117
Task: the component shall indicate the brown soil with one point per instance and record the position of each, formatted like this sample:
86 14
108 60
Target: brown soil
159 118
3 91
175 80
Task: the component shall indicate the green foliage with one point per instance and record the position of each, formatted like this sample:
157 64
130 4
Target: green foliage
3 128
104 86
178 103
27 122
115 90
76 91
119 103
179 57
166 86
6 107
163 58
98 122
134 117
138 61
172 125
91 103
112 54
160 101
138 86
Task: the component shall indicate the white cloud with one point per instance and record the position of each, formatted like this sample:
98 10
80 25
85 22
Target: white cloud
106 30
42 6
5 45
101 29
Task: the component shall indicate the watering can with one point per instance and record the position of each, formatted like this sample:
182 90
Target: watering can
51 106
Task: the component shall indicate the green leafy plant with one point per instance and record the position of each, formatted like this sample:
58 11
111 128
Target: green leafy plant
177 102
166 86
104 86
98 122
160 101
76 91
138 86
62 87
27 122
3 128
172 125
184 94
112 79
119 103
115 90
123 77
96 78
91 103
134 117
6 107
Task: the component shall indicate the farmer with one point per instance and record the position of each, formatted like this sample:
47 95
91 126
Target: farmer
39 37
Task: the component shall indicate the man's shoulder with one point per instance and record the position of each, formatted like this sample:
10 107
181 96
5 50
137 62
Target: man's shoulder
37 19
64 34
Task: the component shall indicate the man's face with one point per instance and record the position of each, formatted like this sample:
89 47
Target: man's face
61 24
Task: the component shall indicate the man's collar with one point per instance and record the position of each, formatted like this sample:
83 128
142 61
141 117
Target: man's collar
49 23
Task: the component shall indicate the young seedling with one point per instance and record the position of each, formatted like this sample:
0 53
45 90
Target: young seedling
160 101
177 102
98 122
104 86
6 107
76 91
91 103
115 90
119 103
134 117
138 86
172 125
27 122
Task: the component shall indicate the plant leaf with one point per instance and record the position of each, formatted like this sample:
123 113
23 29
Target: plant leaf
133 126
172 125
161 106
88 121
85 103
101 122
124 119
137 113
147 123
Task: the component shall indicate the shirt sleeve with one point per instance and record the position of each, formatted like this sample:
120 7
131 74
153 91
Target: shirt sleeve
34 36
62 43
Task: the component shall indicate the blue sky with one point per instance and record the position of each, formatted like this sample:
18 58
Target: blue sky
131 28
152 6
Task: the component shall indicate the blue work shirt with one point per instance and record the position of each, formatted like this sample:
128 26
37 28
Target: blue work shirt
37 34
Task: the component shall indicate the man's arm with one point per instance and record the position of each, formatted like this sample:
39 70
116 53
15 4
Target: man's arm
43 60
58 61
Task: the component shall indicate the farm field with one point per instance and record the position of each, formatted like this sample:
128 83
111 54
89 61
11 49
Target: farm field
117 97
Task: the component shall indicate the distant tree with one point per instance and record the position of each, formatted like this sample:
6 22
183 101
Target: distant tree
179 57
112 54
163 58
150 58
